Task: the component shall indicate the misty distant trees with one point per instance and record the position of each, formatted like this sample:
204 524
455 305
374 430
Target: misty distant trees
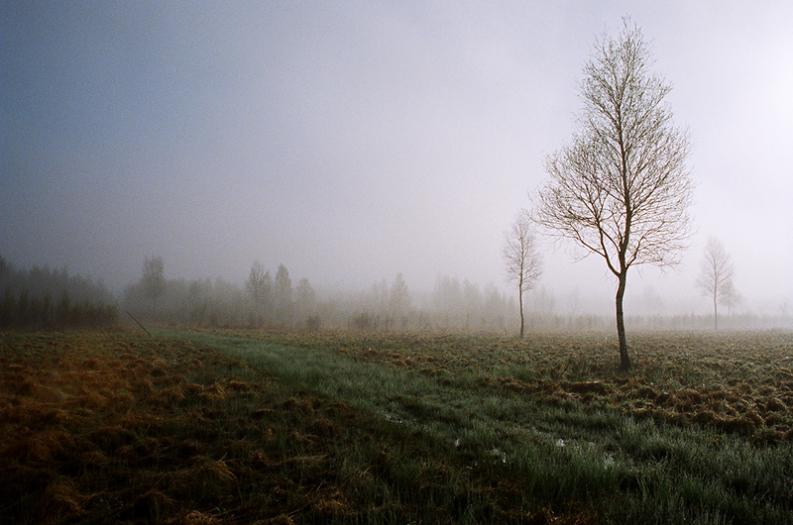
453 305
45 298
621 190
306 303
153 280
730 297
462 305
283 294
262 301
384 307
260 289
276 301
399 300
715 278
523 263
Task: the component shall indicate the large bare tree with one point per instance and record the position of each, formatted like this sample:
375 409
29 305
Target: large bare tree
621 190
716 277
524 265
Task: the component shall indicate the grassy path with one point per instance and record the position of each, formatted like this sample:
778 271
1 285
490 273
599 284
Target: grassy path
465 445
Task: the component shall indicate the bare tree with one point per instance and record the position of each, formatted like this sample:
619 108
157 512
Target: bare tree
524 265
621 190
716 277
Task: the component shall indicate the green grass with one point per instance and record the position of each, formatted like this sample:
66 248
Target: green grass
570 457
250 427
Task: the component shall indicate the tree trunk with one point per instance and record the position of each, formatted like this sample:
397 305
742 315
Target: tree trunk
625 362
520 300
715 313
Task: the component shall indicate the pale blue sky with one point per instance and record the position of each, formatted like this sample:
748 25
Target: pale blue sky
353 140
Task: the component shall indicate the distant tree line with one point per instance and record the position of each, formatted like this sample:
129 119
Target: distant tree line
41 297
272 300
44 297
464 306
264 301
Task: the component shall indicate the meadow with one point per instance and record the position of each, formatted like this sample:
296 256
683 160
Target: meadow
244 426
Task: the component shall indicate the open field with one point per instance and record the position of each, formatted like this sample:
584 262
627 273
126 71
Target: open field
740 383
245 427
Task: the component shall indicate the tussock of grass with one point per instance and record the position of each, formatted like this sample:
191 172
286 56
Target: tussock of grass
62 500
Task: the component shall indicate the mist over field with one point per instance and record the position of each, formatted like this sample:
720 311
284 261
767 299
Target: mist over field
356 141
276 263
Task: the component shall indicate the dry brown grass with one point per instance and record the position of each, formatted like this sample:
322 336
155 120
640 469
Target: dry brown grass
108 427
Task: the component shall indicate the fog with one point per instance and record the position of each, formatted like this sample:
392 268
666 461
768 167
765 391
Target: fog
354 141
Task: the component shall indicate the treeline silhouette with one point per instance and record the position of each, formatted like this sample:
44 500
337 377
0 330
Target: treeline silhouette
41 297
264 301
271 299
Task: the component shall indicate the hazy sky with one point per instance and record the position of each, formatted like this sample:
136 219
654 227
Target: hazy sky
353 140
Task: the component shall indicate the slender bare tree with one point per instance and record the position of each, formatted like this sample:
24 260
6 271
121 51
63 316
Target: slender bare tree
621 190
716 277
524 265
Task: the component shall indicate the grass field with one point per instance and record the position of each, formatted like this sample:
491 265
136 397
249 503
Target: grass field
245 427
